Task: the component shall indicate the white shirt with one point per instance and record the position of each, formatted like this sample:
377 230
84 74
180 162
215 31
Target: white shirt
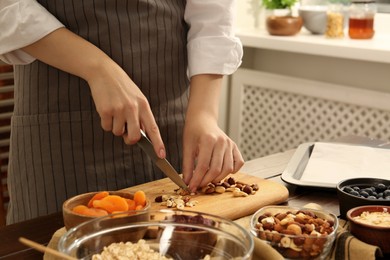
212 46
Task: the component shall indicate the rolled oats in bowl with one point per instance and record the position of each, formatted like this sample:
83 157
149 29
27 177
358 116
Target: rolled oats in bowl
165 234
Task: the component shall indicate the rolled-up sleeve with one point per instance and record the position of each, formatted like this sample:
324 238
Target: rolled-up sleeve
23 22
212 46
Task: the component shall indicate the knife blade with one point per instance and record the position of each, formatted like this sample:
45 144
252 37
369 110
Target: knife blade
146 145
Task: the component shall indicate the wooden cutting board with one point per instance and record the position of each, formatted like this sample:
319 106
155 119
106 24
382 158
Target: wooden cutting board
224 205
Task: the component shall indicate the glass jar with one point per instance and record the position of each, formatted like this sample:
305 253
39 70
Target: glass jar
335 21
361 19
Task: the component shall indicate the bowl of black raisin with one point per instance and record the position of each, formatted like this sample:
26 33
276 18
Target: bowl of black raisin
357 192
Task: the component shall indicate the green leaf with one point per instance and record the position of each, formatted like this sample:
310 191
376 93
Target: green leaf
278 4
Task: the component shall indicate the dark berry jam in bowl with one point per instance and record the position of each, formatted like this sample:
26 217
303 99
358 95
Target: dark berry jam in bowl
357 192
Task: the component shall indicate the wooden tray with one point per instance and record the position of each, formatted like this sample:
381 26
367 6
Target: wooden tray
224 205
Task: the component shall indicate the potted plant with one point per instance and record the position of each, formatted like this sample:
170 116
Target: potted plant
279 6
279 20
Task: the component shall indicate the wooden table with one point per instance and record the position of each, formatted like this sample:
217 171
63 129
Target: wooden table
270 167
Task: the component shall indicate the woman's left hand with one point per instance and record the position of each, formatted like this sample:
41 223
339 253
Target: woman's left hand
209 154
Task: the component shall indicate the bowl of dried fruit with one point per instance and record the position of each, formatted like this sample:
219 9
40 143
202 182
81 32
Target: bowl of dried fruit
357 192
170 234
296 233
371 224
88 206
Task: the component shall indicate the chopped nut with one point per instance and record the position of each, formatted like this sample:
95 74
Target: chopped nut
239 193
220 189
295 229
268 220
285 242
231 189
255 187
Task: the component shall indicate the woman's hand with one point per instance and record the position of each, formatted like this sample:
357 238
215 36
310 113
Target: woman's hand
123 108
209 154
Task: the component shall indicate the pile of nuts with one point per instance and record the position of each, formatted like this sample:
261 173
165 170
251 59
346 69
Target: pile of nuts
175 201
239 189
295 235
182 198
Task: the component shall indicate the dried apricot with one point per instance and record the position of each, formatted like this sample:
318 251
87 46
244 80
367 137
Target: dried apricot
103 203
140 198
131 204
97 196
139 207
84 210
111 203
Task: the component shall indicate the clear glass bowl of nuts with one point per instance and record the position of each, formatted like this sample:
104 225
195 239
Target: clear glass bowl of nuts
158 234
296 233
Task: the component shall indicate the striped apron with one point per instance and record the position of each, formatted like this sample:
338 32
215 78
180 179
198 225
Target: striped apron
58 148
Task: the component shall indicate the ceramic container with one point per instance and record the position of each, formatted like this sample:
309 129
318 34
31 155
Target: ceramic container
283 25
348 201
371 232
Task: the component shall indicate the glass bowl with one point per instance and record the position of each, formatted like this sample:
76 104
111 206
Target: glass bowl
296 233
177 234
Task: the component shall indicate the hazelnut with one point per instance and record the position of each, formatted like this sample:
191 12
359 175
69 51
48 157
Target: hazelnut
225 184
299 240
278 227
276 237
247 189
239 185
281 216
291 254
158 199
231 181
209 190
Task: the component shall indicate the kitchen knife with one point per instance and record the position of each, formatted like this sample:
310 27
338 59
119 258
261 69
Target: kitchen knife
146 145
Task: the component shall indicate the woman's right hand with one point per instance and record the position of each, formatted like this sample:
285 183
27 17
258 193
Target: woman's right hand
123 108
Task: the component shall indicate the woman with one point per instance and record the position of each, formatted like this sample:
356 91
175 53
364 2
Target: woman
96 72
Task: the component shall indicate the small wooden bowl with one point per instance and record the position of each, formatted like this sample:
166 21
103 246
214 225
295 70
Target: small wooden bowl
370 233
72 219
283 25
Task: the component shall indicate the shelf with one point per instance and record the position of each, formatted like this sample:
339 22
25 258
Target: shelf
374 50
